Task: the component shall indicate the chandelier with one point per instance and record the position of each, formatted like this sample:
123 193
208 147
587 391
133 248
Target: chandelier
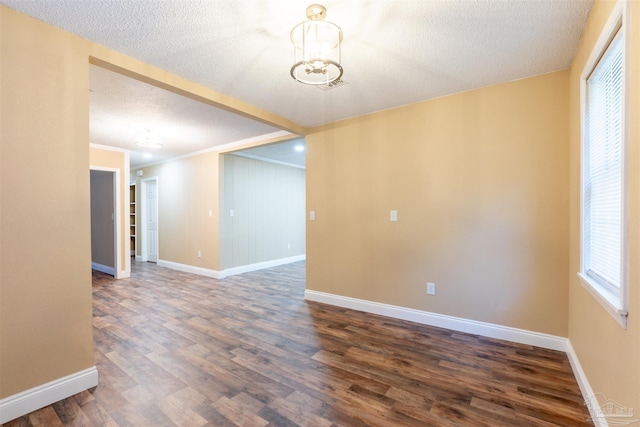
316 49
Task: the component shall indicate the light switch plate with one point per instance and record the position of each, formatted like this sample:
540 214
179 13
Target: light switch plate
393 216
431 288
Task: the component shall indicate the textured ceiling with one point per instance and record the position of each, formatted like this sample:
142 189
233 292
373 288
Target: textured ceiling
394 52
122 109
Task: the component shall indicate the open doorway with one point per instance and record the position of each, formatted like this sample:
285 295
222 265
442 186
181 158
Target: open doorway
263 204
156 126
104 221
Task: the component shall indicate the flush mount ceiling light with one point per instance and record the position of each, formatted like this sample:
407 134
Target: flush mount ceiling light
316 49
147 141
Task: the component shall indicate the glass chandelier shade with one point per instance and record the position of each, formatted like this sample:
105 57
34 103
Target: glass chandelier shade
316 49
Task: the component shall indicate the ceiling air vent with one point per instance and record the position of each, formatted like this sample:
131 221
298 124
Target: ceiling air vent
334 84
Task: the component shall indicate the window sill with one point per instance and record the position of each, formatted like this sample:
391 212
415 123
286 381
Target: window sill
607 300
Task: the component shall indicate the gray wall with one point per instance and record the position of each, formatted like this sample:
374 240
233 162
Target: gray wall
102 208
268 201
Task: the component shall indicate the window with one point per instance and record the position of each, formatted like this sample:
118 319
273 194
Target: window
603 269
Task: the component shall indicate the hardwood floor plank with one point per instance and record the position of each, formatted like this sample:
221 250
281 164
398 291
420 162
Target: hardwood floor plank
176 349
301 408
235 411
146 414
214 418
109 398
96 415
202 382
45 417
173 407
455 416
508 415
138 395
70 413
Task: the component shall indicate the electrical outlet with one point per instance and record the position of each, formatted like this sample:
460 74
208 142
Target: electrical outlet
199 253
431 288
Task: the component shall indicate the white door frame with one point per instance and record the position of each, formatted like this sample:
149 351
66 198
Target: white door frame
117 226
143 218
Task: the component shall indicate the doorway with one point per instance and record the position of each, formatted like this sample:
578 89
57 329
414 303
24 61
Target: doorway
149 219
104 221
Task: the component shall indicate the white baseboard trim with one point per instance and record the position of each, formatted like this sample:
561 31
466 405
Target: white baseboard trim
490 330
229 271
33 399
139 258
598 418
261 265
123 274
103 268
190 269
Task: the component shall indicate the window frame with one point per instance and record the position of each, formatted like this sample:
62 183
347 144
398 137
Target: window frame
615 305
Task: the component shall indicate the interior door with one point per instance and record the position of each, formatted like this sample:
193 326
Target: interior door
152 221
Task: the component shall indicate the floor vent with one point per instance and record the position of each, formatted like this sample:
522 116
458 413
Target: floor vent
334 84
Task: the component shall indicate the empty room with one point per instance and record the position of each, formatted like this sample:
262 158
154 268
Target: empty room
354 213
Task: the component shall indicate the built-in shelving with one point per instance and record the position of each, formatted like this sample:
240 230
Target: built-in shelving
132 217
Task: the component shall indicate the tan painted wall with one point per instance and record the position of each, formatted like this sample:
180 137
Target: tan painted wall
45 273
187 190
268 200
480 182
610 355
102 223
117 160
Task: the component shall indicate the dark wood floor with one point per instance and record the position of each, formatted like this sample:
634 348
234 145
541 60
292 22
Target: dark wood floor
175 349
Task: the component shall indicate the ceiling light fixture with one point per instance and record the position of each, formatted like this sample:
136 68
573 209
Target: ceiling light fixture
316 49
299 148
147 141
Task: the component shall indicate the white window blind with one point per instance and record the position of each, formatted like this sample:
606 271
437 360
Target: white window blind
603 142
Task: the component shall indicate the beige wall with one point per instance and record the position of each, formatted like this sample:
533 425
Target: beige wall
610 355
480 182
187 190
268 200
45 273
102 222
117 160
